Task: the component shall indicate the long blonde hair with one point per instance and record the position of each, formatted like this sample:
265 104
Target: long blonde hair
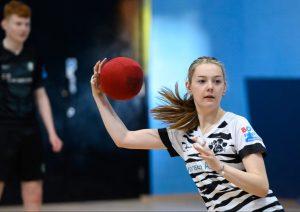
180 112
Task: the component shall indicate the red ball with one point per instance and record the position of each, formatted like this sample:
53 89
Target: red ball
121 78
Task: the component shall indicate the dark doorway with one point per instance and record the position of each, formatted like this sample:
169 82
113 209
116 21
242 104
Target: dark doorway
274 109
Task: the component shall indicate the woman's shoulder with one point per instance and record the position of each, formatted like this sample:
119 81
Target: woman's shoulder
236 119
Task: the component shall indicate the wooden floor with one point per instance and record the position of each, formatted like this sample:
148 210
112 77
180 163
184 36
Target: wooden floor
188 202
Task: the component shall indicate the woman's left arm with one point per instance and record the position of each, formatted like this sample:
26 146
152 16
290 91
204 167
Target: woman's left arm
253 181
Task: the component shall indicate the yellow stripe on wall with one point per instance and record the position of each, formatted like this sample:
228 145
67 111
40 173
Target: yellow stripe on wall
146 25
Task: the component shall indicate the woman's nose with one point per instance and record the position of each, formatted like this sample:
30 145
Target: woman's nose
210 85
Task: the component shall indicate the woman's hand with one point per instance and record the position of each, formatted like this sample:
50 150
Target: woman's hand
204 152
96 90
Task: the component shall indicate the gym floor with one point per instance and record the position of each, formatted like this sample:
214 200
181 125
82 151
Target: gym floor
187 202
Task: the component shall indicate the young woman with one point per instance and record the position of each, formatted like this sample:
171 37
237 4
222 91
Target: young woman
222 152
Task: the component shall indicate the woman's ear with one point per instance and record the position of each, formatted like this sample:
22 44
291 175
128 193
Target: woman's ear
188 87
225 89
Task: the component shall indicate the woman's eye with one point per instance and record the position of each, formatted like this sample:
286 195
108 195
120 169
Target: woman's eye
218 81
201 81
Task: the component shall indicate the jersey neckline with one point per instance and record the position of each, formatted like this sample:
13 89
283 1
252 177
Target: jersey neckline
12 53
214 127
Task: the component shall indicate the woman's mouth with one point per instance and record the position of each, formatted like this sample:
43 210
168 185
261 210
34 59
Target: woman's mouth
209 97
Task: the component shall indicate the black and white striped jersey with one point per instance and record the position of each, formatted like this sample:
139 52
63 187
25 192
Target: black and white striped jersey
231 139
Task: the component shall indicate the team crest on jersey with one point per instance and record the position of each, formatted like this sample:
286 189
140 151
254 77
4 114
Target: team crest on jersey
43 168
5 67
217 145
187 144
249 134
30 66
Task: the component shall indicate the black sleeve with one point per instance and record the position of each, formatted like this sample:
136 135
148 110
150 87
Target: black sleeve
166 141
252 149
40 73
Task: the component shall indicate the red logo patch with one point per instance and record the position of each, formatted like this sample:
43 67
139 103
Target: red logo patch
244 129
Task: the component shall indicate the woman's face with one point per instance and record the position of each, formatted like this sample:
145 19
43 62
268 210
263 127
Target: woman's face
207 86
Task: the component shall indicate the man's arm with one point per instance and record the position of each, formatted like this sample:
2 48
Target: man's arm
44 108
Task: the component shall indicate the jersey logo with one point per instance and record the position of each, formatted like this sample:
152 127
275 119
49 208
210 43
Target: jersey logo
5 67
6 76
249 134
187 144
217 145
44 73
21 80
30 66
43 168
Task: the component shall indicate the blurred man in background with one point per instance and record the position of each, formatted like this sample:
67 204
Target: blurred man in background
22 93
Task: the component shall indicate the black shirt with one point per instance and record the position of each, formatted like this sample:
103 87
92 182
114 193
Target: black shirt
20 75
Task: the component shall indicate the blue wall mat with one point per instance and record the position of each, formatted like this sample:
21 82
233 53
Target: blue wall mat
177 38
274 109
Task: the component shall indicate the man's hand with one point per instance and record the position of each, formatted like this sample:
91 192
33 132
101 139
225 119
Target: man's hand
56 143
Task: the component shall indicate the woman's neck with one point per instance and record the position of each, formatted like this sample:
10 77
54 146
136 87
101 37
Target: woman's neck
12 46
208 119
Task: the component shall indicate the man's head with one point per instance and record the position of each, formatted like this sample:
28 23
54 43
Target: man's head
16 21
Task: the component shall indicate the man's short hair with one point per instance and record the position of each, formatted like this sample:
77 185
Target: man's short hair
18 8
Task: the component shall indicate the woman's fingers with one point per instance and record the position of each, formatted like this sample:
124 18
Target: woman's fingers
93 79
199 145
194 138
199 140
201 149
100 65
96 88
205 157
96 67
